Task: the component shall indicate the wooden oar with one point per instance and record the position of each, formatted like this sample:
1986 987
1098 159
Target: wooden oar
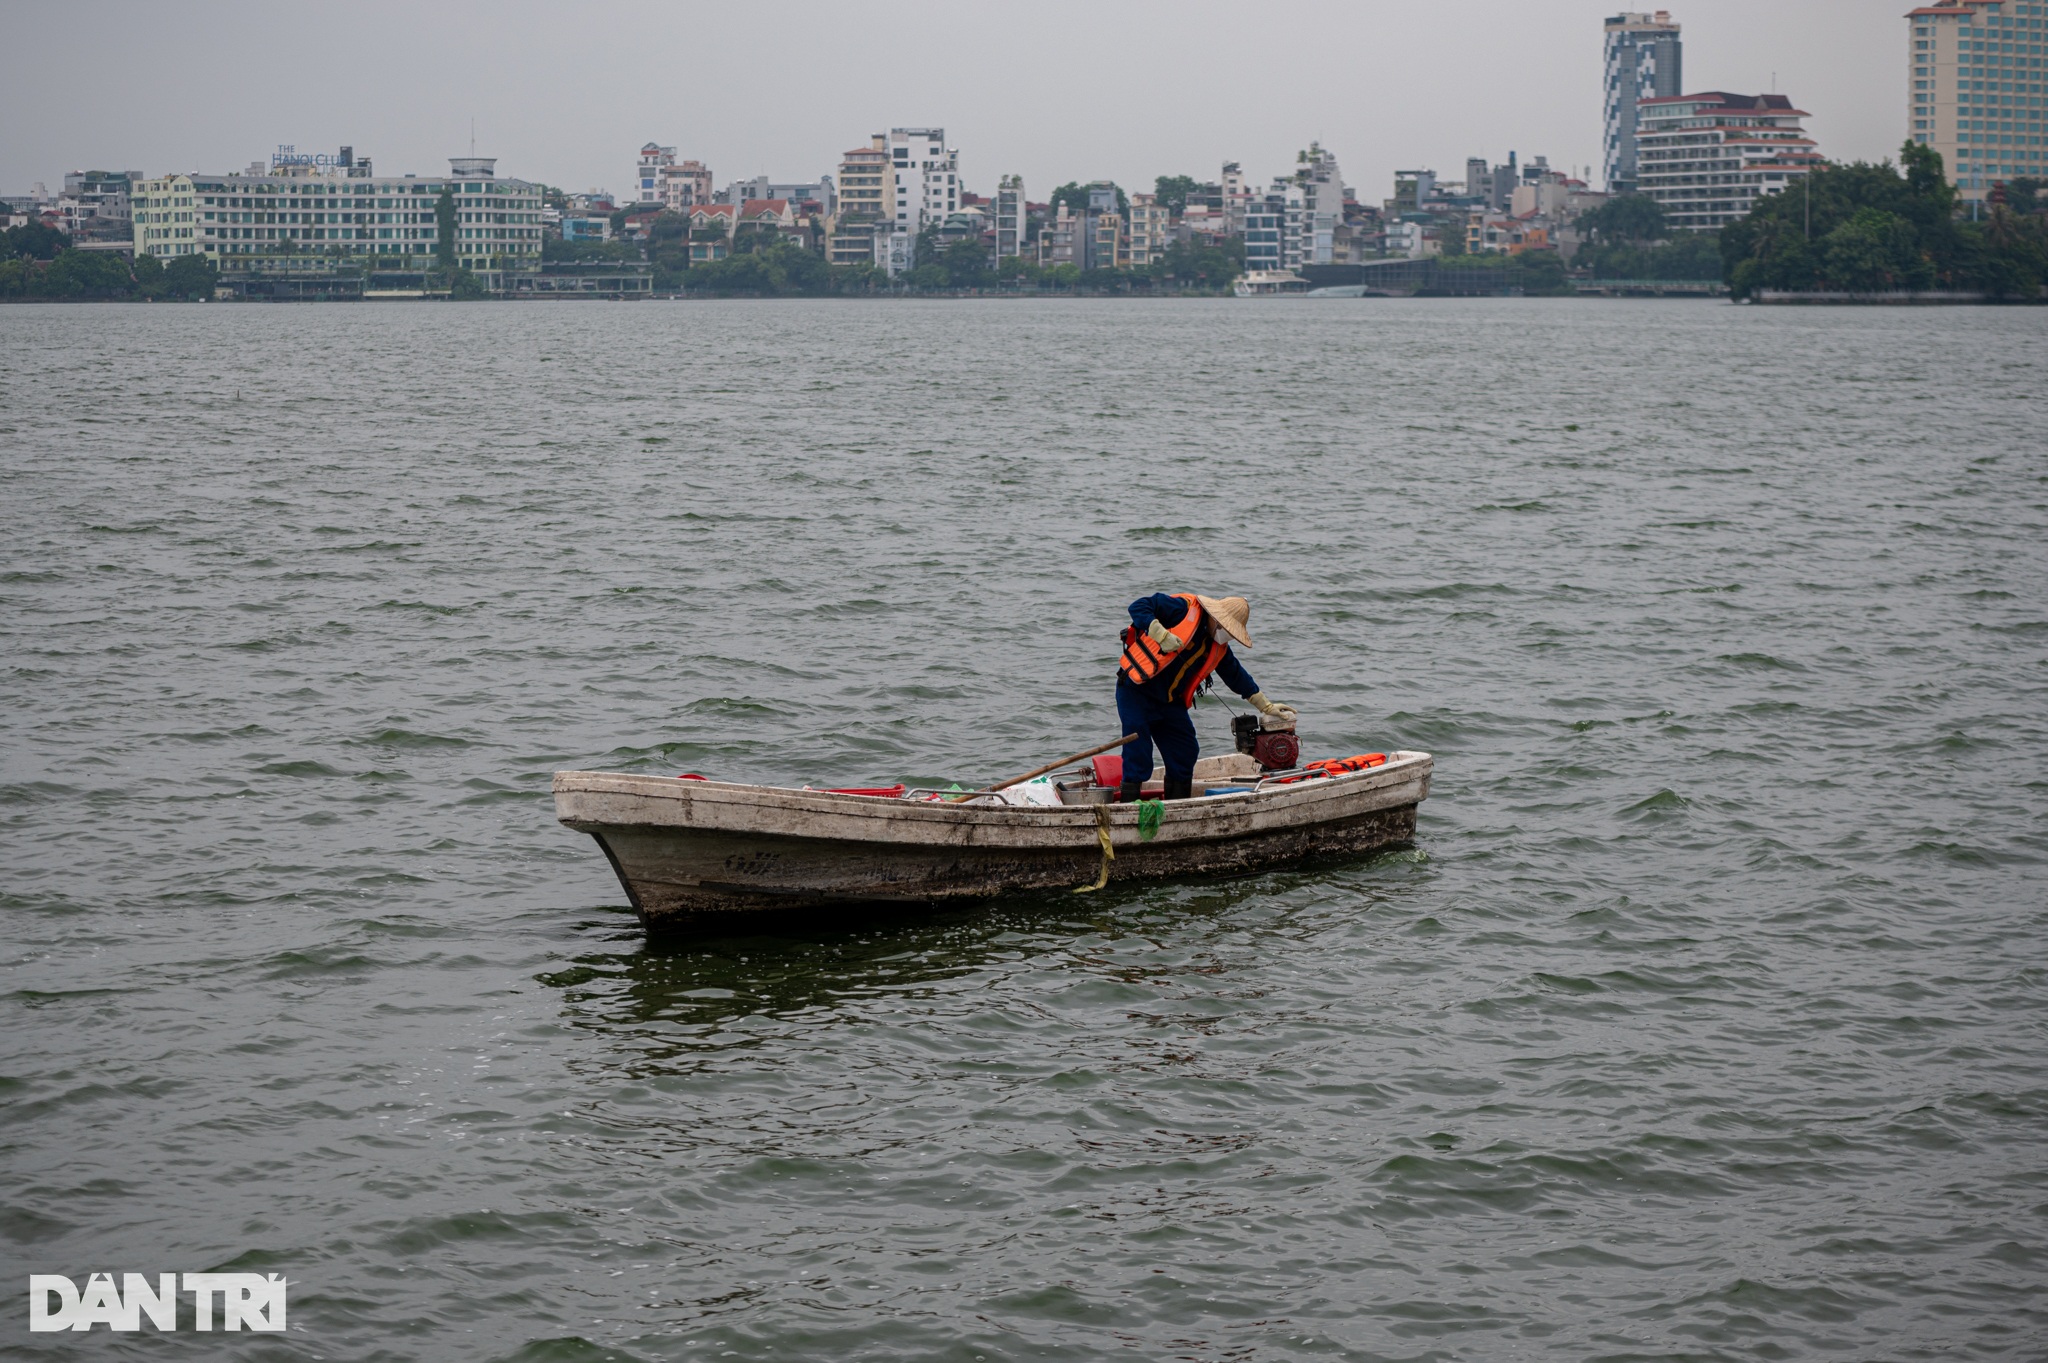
1050 766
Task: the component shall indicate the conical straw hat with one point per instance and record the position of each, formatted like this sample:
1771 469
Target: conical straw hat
1234 613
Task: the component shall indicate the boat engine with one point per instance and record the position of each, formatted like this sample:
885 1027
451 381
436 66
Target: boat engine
1271 742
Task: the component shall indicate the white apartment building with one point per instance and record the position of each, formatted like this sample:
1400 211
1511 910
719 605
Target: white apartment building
926 177
254 220
1977 88
647 176
1644 60
1707 158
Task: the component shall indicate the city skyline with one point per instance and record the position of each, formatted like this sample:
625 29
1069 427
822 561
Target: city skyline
1150 93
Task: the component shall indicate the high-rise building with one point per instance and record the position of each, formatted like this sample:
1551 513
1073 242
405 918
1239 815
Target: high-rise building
1265 225
1707 158
1011 214
1977 89
1322 196
647 177
1644 61
926 177
1478 178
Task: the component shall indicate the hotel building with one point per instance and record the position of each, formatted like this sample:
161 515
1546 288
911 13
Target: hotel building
306 217
1707 158
1977 86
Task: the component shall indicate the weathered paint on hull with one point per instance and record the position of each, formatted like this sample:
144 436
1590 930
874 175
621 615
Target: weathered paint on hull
689 851
673 878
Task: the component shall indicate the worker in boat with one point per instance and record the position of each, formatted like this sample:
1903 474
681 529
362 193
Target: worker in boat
1176 640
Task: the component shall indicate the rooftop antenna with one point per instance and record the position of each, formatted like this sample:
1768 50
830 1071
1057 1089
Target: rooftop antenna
472 131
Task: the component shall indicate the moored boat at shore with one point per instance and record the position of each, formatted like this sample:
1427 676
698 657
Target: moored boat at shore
690 849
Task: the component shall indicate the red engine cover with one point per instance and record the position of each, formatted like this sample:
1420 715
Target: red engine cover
1276 750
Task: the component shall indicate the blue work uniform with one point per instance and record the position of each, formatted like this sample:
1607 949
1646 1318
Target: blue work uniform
1150 710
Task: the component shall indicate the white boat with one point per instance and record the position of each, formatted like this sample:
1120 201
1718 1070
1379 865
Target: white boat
1260 283
689 849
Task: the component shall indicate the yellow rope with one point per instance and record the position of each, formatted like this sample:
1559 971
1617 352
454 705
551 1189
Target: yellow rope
1108 852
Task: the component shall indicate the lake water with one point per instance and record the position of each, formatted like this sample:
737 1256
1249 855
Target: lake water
1707 1018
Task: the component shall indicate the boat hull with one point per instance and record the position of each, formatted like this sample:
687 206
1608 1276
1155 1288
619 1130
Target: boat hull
686 851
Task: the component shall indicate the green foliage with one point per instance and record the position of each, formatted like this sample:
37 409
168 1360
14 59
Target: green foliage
186 277
466 286
1633 219
670 226
1173 190
1863 228
1074 196
1874 251
444 230
1192 266
1543 272
1687 255
34 241
2024 195
194 277
966 265
776 270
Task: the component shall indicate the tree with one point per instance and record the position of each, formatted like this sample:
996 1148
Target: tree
33 241
194 277
84 274
444 230
1874 251
1172 191
1863 226
1189 265
1542 272
781 269
668 226
966 264
1074 196
1632 218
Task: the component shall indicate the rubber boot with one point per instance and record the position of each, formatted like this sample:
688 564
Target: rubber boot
1180 787
1127 793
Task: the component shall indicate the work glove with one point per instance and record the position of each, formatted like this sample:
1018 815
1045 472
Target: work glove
1273 708
1168 641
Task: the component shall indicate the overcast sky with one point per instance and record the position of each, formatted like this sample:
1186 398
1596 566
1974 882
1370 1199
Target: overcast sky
1056 90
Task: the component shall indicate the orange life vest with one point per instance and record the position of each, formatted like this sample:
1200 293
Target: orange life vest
1338 765
1187 667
